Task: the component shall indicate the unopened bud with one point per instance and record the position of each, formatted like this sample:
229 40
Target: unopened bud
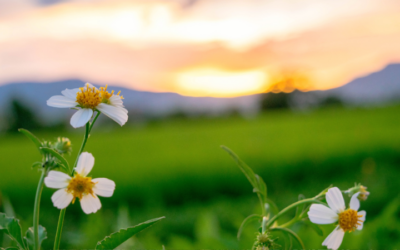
63 145
263 238
264 242
358 188
363 193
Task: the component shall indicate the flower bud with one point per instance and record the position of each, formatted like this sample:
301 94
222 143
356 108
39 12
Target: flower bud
263 238
63 145
264 242
358 188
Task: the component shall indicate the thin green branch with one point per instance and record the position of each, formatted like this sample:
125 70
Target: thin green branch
273 219
62 211
36 210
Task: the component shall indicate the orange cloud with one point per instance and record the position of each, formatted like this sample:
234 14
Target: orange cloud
214 48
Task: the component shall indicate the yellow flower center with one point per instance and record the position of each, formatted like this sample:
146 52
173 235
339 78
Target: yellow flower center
88 97
79 186
106 95
349 220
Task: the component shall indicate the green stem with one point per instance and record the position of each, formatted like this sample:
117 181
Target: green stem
36 210
291 222
264 223
59 229
94 120
263 209
273 219
62 211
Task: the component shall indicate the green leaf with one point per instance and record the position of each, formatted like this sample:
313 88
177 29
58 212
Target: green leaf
64 163
116 239
300 208
291 233
262 188
37 164
273 207
316 228
33 138
12 228
248 219
29 237
255 180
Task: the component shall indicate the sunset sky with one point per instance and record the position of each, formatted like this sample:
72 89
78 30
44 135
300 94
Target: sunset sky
219 48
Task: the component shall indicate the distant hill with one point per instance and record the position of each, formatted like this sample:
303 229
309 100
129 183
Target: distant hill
378 88
146 103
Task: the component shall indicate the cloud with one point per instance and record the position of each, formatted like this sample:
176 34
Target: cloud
147 45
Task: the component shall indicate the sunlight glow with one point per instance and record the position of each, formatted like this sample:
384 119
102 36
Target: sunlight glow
216 82
218 48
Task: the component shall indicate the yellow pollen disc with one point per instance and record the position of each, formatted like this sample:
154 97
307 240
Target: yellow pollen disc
105 95
349 220
80 186
88 97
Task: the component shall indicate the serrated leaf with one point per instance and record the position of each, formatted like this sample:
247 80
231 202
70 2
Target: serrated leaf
316 228
291 233
30 239
248 219
12 228
64 163
33 138
255 180
117 238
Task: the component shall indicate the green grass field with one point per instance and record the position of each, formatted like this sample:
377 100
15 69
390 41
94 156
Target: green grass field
177 169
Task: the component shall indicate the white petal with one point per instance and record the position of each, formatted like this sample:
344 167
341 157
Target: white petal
354 202
118 114
335 200
85 164
90 203
334 239
81 117
116 100
61 198
59 101
103 187
362 219
70 93
56 179
320 214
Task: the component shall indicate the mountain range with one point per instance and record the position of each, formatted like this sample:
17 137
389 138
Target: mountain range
378 88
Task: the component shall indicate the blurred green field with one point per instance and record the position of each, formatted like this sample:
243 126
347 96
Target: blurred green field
177 169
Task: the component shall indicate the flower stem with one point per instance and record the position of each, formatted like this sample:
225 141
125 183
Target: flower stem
262 203
59 229
273 219
62 211
36 210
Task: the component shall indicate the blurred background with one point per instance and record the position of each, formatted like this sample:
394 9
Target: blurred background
306 92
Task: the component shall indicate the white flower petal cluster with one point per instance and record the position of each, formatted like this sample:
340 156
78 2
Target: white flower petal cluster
79 186
87 100
348 220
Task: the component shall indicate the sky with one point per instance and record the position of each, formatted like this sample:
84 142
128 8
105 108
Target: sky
218 48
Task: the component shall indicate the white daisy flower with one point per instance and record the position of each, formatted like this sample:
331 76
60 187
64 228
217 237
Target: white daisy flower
79 186
89 99
348 220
